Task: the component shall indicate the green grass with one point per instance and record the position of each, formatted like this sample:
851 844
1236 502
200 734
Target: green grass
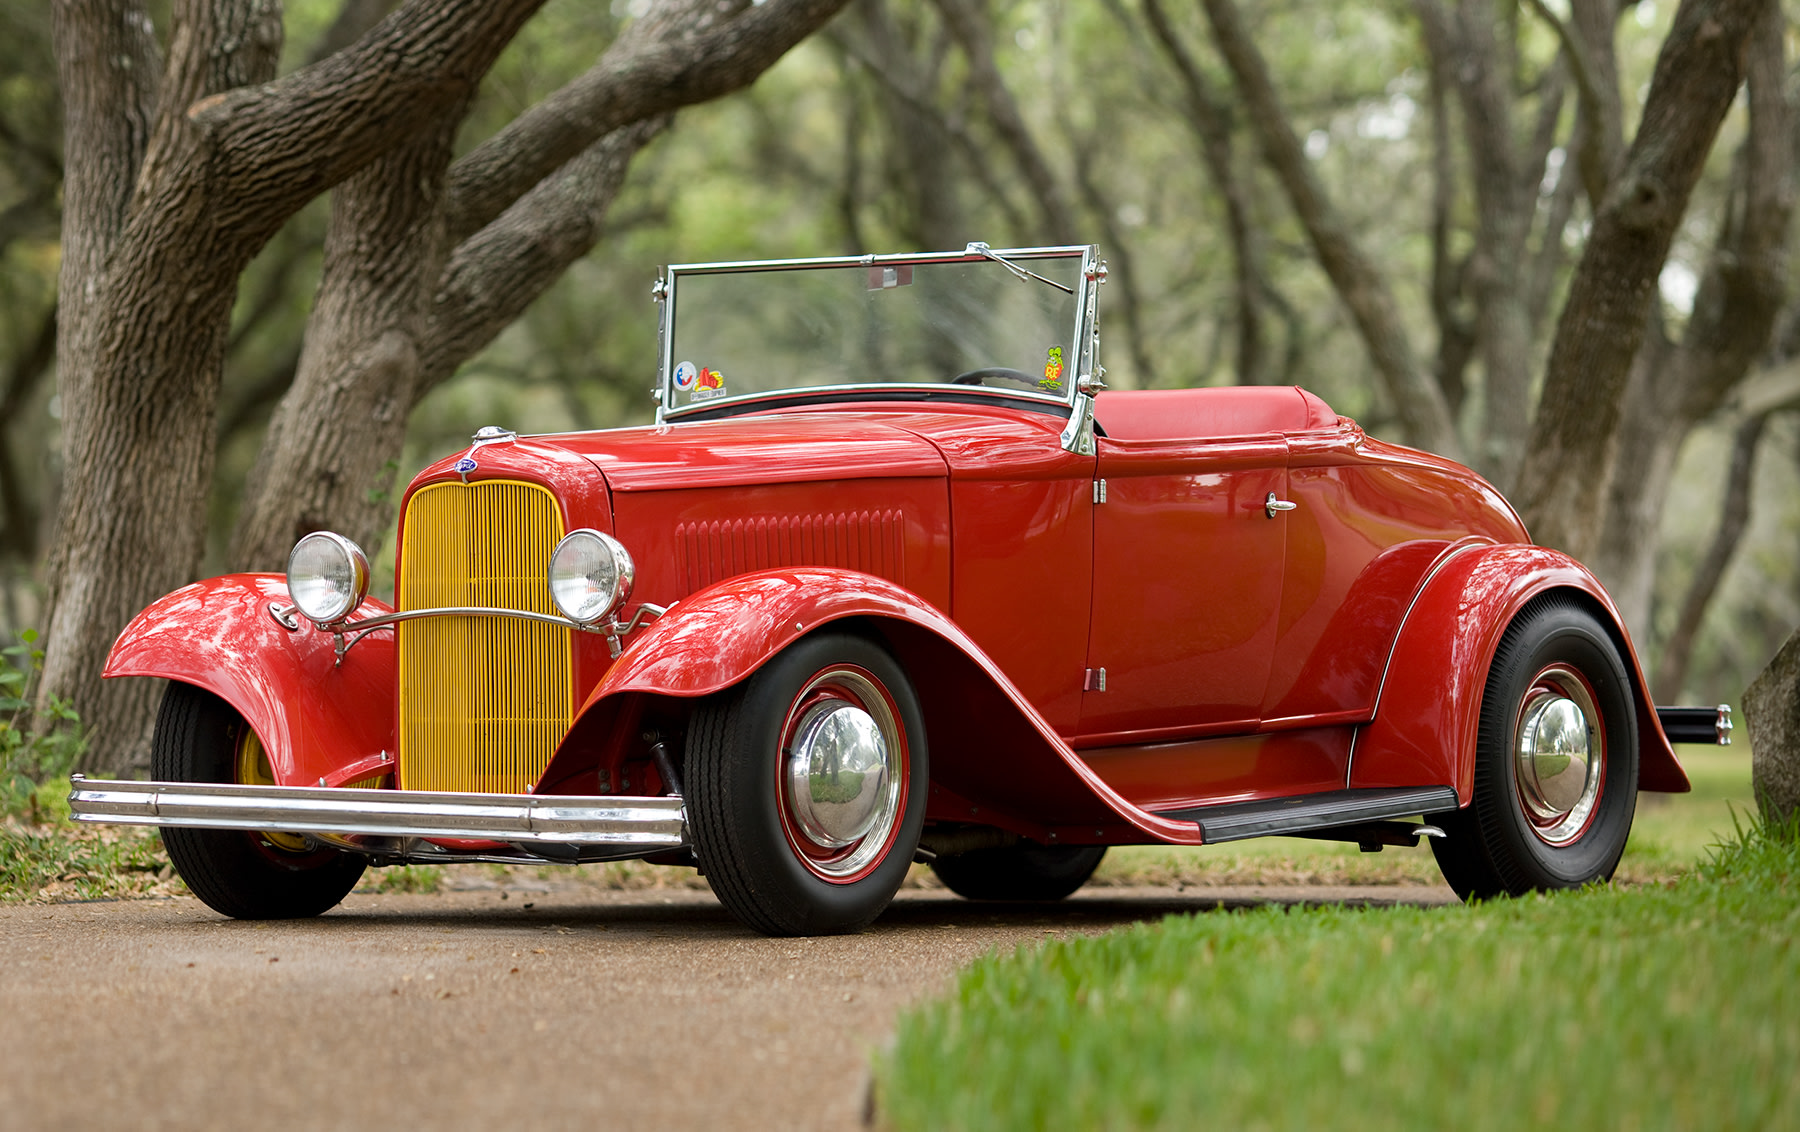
1663 1006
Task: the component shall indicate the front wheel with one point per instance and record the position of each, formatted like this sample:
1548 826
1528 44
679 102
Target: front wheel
806 787
1556 761
242 874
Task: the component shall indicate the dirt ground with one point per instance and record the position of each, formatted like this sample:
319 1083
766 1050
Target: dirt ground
483 1009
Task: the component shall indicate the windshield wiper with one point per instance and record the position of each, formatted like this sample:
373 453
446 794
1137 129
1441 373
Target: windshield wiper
976 247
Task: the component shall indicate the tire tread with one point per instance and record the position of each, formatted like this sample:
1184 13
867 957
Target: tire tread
195 733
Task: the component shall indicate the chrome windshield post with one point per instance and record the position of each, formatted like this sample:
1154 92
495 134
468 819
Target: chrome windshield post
1078 434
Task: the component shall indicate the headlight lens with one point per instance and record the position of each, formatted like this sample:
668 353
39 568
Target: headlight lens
590 575
327 576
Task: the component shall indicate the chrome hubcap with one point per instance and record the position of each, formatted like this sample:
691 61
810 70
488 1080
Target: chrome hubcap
1559 753
841 773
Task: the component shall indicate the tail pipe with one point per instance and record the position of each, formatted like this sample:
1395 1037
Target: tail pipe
1697 724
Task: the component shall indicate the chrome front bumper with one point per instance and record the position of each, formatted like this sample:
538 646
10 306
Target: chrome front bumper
595 827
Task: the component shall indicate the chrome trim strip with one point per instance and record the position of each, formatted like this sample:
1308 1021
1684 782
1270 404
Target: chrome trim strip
1424 583
965 256
649 824
883 387
370 624
610 628
1469 543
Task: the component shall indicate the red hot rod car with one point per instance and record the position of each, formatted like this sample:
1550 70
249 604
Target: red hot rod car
891 578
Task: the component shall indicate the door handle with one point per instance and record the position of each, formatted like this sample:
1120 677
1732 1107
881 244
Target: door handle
1272 505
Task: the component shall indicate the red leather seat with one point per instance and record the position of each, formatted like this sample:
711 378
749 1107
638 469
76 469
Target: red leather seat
1188 414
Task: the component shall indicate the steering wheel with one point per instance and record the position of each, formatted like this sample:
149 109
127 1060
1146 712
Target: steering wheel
1007 373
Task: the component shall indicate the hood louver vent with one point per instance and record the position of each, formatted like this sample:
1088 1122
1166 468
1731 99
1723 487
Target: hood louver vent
870 541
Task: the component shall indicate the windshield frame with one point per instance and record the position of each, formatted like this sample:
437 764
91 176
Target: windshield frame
1083 334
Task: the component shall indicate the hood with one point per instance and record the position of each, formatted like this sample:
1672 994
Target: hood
760 449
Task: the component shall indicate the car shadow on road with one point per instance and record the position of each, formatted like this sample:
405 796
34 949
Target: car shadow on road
698 914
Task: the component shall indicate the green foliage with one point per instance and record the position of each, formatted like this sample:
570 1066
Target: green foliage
57 861
30 757
1659 1007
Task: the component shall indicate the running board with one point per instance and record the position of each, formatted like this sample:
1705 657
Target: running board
647 824
1276 816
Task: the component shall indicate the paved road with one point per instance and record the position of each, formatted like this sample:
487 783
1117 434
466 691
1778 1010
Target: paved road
565 1009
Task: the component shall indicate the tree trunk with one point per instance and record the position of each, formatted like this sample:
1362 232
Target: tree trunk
1210 120
1566 473
142 330
498 272
1503 218
324 463
1742 290
1734 517
1416 399
158 242
919 169
975 34
1772 716
18 518
1456 330
399 310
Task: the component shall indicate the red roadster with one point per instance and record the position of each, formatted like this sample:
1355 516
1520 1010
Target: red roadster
893 578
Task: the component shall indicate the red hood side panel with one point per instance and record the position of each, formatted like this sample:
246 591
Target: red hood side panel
752 450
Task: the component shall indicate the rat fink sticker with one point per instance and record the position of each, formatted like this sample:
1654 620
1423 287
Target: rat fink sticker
1053 371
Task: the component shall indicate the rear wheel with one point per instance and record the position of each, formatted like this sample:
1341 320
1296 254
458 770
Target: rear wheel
1556 761
1019 872
806 787
242 874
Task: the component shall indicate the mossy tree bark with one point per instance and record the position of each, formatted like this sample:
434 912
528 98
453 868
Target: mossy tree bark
1772 717
427 261
1568 467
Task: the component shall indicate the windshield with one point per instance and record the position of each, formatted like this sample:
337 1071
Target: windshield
748 330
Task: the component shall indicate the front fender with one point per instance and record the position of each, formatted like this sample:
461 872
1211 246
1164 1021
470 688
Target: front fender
993 757
319 721
1428 710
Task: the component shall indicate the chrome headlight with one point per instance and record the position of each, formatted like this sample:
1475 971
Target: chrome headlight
590 575
327 576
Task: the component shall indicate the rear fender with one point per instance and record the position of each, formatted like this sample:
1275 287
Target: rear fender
320 722
1429 707
994 760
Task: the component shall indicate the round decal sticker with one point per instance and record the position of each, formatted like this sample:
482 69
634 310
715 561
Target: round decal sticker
685 376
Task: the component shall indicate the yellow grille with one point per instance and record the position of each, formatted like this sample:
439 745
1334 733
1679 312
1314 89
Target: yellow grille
483 700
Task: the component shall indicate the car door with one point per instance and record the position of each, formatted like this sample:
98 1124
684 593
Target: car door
1187 586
